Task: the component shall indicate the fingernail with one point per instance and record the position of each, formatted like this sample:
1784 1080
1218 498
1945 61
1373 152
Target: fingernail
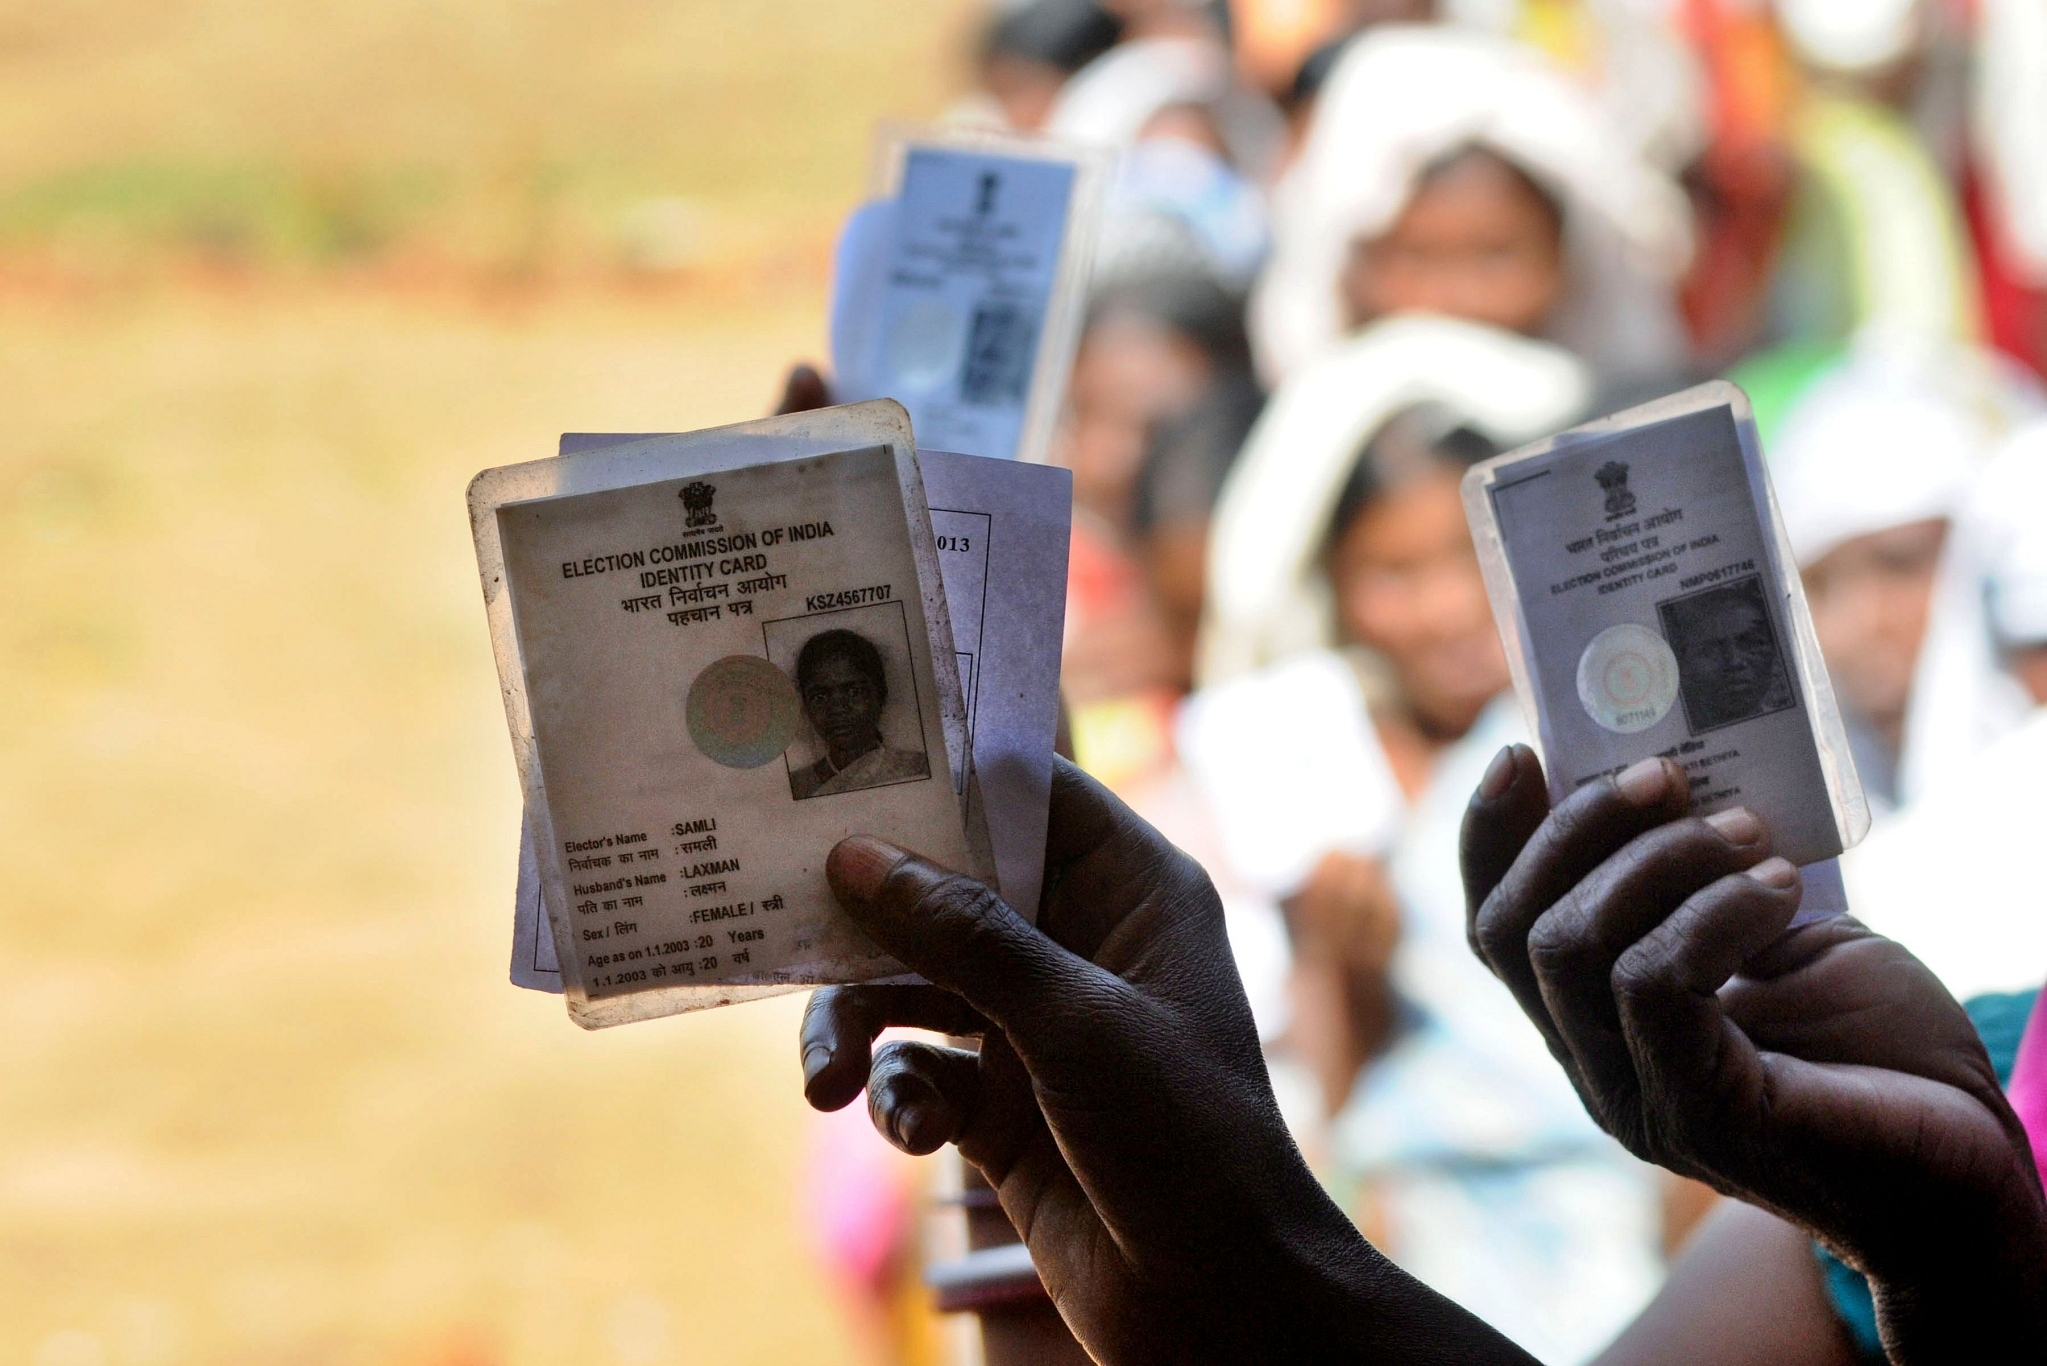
909 1123
1644 783
1778 874
816 1058
1737 825
859 865
1499 776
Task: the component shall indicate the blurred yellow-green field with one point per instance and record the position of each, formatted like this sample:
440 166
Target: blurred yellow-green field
275 279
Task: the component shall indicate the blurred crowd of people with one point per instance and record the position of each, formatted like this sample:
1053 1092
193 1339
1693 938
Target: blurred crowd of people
1353 246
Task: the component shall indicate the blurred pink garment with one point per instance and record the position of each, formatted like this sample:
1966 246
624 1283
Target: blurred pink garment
860 1196
2028 1089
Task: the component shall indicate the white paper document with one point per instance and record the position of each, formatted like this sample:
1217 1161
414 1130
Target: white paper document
1000 530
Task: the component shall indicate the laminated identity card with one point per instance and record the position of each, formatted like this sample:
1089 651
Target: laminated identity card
959 290
1650 605
720 654
1001 528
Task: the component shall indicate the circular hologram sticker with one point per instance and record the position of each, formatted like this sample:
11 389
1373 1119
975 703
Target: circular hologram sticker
1627 678
742 711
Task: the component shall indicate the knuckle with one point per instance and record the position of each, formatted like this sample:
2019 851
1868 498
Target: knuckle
1580 813
978 921
1639 977
1640 1137
1491 930
1557 943
1692 847
888 1070
971 901
954 895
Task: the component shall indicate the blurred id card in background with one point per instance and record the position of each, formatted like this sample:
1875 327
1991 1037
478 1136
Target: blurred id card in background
1651 606
1001 529
958 292
721 654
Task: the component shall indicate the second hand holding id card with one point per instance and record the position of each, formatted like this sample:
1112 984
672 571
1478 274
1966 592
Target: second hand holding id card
958 292
1650 605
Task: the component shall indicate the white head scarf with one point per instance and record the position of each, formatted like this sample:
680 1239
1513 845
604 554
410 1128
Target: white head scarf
1872 444
1266 597
1402 97
1992 595
1108 102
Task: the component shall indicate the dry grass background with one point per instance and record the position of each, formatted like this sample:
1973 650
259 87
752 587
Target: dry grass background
266 1097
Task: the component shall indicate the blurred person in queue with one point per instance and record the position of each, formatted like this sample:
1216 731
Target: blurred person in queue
1159 401
1418 664
1959 874
1465 254
1447 175
1154 345
1870 462
1453 173
1480 239
1337 777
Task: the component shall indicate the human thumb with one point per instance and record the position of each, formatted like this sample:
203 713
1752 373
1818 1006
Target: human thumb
958 934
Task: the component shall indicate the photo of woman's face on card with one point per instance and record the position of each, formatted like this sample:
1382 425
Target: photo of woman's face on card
851 670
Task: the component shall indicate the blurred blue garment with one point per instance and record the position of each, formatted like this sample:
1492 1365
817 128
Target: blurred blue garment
1175 205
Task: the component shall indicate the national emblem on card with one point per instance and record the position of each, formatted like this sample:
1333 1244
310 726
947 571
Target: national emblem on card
1620 499
696 501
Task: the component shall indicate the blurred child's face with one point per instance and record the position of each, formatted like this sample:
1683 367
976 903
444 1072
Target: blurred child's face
1870 597
1407 584
1477 241
1130 372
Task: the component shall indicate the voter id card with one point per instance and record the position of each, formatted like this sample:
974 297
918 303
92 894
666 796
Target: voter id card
1002 530
959 290
720 655
1650 605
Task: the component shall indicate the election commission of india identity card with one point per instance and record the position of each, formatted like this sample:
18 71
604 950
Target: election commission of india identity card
1651 606
958 291
721 653
1001 528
